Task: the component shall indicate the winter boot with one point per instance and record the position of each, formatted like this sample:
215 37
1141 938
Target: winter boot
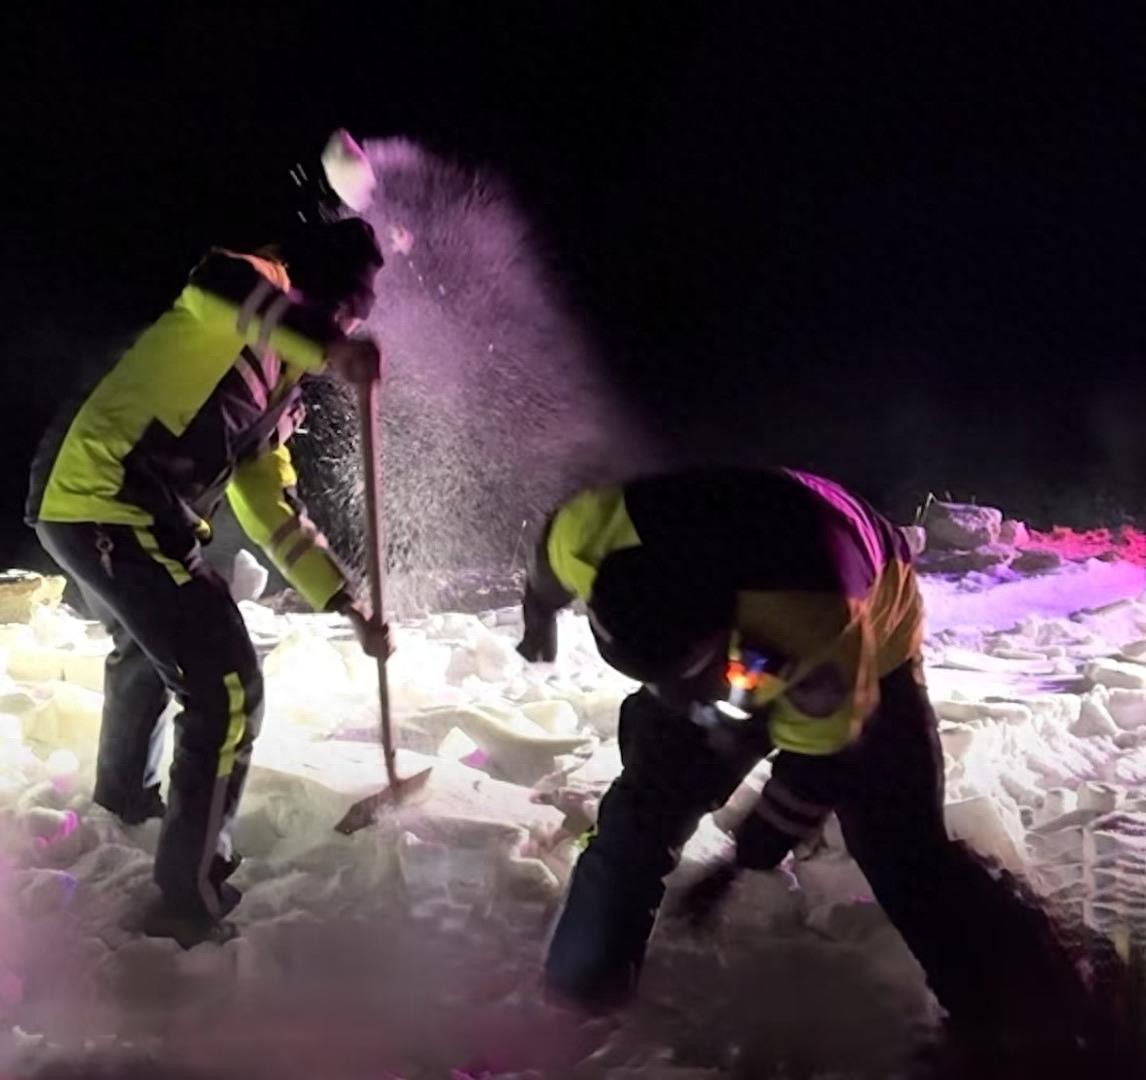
147 806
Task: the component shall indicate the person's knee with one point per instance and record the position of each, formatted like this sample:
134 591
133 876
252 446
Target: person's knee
639 833
599 941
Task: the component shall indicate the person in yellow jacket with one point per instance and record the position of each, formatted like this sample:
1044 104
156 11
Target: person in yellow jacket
198 409
767 611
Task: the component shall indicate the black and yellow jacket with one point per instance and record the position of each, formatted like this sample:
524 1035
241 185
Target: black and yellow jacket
198 408
811 571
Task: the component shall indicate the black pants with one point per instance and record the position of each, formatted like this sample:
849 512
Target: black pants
176 630
965 925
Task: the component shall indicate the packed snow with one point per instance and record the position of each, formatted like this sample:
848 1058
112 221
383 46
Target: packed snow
412 948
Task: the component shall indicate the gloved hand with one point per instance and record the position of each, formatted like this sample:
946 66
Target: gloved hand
374 637
539 642
698 905
356 360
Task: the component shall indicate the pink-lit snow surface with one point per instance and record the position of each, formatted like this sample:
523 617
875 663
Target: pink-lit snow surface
1127 543
413 949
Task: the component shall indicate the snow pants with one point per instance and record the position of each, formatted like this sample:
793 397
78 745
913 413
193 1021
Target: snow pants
176 631
964 923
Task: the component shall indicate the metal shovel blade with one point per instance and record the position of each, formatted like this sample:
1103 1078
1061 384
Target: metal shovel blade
365 812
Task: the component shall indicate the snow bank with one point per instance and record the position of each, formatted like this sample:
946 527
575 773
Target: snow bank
413 946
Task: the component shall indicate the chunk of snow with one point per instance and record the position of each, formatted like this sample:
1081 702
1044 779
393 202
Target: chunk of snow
916 536
1013 533
248 577
1115 673
989 557
962 526
85 667
1095 796
23 592
978 822
1094 718
1128 707
554 717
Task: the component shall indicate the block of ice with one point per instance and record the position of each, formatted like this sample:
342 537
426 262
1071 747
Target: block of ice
979 823
555 717
462 665
496 658
1057 802
306 660
1128 708
35 663
248 577
1094 718
961 526
23 592
85 667
260 620
519 749
70 718
1115 673
1101 797
456 745
531 879
56 628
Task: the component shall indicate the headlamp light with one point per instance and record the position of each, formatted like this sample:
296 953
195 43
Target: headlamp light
746 672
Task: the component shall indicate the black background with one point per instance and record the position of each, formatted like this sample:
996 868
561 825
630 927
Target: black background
900 244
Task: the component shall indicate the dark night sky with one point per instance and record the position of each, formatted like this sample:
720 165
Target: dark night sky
899 243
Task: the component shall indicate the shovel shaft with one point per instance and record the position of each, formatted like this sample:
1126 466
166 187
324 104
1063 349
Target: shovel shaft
368 394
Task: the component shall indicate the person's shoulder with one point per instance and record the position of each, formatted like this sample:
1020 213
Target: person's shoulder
225 262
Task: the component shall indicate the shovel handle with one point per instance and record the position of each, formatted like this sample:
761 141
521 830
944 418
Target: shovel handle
368 396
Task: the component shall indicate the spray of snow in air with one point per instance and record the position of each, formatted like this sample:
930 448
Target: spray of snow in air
493 404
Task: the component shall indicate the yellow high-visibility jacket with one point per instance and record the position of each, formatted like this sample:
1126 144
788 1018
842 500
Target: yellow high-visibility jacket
812 573
199 407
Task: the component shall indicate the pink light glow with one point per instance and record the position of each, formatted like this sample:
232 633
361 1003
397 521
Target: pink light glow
1127 543
66 828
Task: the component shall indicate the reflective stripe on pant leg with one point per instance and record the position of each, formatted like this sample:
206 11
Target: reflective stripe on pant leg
236 725
149 544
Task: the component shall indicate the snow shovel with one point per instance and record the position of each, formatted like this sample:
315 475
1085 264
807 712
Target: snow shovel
364 812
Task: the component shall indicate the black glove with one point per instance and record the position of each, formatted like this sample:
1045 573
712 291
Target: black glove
700 901
539 643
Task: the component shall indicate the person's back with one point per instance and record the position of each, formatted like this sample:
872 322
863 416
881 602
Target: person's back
790 561
778 538
201 405
207 386
768 611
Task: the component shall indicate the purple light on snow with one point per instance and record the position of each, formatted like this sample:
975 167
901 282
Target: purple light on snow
66 828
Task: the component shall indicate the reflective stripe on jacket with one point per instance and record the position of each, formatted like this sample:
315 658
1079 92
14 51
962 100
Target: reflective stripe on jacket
199 407
816 575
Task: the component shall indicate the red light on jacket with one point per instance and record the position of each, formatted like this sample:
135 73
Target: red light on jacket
739 678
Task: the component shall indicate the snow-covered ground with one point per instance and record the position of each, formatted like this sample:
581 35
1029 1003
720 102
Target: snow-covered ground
412 948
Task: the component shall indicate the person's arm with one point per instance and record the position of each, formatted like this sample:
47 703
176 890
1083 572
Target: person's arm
544 597
250 298
263 498
812 719
819 713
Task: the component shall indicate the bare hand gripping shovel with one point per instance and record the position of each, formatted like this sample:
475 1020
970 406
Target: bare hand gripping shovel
365 811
